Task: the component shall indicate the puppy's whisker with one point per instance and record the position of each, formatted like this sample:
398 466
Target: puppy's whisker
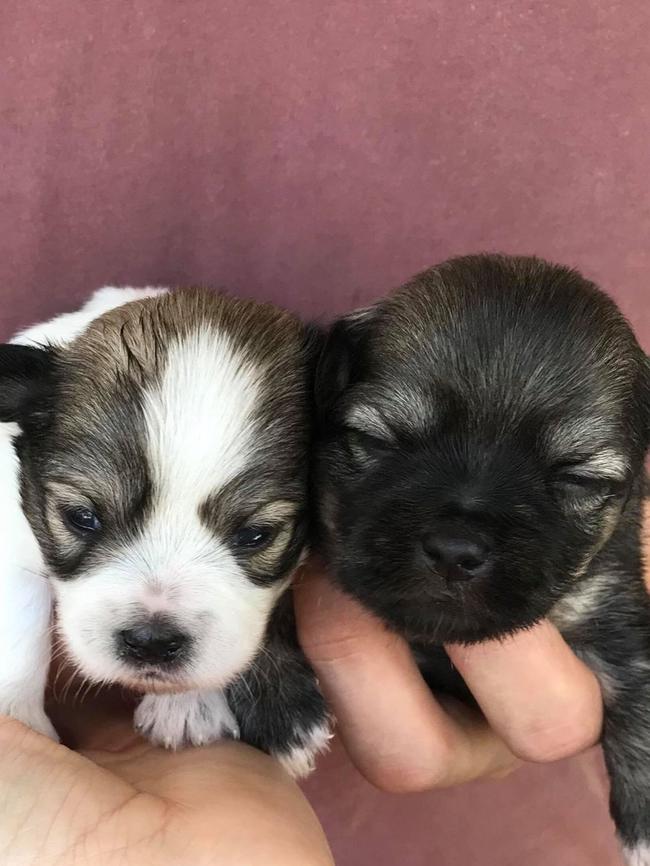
72 676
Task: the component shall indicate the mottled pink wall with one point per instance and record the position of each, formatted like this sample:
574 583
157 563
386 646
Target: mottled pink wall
317 152
541 816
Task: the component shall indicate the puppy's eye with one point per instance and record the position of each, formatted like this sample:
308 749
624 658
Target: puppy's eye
364 445
82 519
588 487
253 538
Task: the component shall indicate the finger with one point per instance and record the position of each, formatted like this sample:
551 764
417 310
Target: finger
396 733
537 695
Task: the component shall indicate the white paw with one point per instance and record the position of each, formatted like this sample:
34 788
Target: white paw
33 716
185 719
300 760
637 856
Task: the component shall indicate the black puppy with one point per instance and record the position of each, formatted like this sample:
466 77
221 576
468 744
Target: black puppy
481 467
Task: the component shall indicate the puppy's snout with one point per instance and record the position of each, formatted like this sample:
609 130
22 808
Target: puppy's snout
152 643
457 557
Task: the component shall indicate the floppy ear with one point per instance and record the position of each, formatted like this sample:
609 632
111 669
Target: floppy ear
342 357
25 381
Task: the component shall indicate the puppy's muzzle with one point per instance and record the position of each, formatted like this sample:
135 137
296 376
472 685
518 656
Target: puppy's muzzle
456 555
152 642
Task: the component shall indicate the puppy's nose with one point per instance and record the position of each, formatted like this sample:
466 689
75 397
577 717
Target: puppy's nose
152 643
457 557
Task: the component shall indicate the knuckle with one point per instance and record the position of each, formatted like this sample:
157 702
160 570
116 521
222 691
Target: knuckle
543 744
335 647
424 767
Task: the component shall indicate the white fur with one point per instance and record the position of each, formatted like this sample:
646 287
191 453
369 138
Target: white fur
190 718
570 436
368 419
25 603
637 856
199 429
608 463
573 609
68 326
25 594
199 418
300 761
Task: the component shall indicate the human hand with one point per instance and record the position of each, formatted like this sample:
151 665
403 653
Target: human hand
539 701
118 800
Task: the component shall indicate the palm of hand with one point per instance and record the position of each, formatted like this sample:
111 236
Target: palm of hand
119 801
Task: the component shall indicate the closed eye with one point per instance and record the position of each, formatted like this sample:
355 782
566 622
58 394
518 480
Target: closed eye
364 444
578 479
606 465
590 481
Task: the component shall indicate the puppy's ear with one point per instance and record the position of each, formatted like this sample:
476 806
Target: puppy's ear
313 343
25 381
341 356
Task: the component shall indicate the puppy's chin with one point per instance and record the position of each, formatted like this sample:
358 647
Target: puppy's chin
146 681
469 624
464 613
158 684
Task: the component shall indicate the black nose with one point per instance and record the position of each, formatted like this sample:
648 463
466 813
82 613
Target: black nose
152 643
457 557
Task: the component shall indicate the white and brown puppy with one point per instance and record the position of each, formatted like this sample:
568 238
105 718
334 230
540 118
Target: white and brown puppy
154 472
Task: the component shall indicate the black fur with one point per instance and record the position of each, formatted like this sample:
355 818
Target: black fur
502 403
25 373
278 702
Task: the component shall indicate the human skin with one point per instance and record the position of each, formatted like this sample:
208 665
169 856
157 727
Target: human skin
539 702
116 800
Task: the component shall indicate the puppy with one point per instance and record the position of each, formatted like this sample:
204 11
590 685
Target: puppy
154 459
481 467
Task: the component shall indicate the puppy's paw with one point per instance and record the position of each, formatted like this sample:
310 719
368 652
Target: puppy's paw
186 719
33 716
637 856
299 760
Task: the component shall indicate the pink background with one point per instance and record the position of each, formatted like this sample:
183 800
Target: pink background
316 153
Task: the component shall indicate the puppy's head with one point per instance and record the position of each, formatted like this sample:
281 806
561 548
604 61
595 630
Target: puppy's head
164 458
483 429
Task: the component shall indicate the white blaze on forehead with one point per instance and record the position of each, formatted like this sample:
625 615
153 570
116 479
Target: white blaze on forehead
200 416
